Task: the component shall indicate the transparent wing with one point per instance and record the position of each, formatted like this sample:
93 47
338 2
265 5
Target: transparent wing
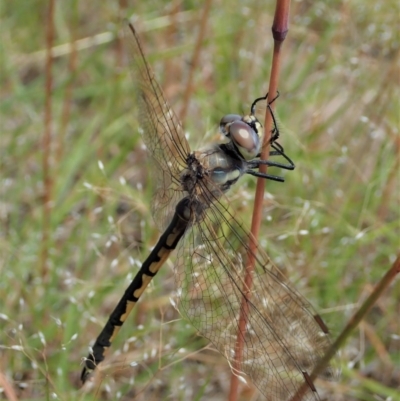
162 134
283 340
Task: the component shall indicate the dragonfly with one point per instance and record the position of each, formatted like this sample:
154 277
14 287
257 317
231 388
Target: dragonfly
284 337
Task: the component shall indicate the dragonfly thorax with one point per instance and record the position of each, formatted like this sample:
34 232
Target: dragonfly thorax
210 172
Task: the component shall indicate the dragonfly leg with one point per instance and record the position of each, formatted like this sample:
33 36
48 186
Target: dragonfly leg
276 164
266 176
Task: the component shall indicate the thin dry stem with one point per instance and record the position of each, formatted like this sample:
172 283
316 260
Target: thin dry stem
195 60
66 111
352 324
173 70
46 142
8 388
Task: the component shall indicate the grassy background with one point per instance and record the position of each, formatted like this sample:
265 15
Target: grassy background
333 227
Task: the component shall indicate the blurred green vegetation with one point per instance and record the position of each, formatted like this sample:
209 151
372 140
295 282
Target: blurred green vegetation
333 227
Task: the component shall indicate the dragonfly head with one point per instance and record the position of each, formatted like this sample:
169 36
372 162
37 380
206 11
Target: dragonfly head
243 133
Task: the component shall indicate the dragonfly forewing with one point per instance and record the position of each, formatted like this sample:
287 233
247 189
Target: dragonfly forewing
162 134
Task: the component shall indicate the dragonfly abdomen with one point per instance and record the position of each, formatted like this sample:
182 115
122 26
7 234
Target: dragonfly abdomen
166 244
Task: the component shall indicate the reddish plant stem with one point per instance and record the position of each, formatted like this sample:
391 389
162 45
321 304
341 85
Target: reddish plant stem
195 60
46 142
351 325
66 110
7 388
279 31
173 68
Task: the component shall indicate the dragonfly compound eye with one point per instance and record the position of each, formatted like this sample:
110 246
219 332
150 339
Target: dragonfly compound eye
226 121
245 139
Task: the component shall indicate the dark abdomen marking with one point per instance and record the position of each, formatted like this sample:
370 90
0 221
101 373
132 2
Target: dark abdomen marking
166 244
